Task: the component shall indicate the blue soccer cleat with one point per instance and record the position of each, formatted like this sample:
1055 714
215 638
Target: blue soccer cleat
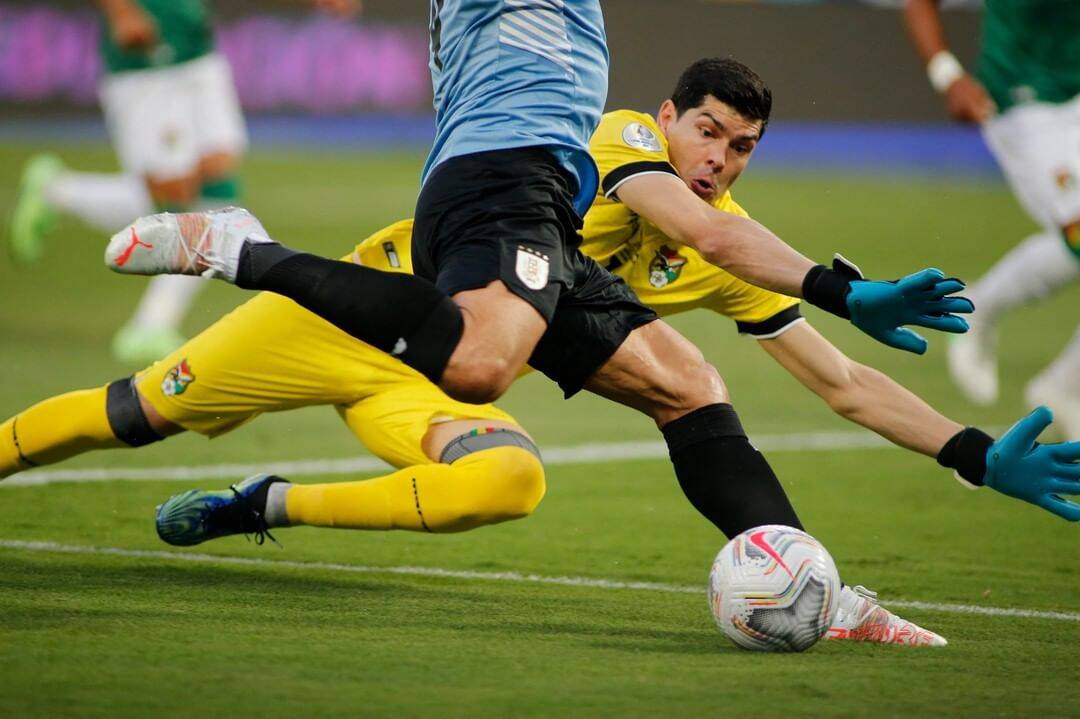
196 515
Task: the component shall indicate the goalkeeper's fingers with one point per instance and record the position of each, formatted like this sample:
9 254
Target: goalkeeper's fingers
956 305
1061 507
944 323
903 339
923 280
1022 435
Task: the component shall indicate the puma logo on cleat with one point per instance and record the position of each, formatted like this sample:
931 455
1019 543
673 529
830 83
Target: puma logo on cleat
400 347
126 254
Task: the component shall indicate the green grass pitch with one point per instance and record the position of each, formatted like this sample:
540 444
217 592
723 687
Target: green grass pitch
108 635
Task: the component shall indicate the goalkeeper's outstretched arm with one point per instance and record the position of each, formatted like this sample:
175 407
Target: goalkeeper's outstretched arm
1015 465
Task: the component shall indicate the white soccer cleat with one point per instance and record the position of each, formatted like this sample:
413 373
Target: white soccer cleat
861 619
1061 399
190 243
972 359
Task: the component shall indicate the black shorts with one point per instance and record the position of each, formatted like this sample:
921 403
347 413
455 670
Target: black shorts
508 215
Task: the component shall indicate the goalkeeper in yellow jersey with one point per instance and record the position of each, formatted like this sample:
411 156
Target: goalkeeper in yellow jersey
468 465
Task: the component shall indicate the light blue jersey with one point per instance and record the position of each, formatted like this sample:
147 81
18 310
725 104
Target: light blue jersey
519 73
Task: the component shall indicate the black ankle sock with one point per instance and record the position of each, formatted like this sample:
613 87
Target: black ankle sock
722 475
396 312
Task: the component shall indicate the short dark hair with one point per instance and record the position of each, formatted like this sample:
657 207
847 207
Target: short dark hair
730 82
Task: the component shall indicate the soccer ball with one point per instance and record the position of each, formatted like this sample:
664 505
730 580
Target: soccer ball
774 589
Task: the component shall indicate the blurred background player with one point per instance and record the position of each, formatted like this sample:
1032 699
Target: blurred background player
1026 96
175 121
172 111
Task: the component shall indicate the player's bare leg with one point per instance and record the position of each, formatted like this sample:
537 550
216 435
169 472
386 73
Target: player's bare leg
501 331
660 373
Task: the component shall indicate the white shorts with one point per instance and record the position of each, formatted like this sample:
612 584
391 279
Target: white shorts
164 120
1038 148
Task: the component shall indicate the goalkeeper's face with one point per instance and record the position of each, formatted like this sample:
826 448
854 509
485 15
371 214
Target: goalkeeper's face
709 145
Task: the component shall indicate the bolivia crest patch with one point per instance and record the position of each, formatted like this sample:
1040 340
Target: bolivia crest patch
666 267
177 379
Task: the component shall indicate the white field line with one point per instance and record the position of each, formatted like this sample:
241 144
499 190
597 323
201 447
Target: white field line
512 577
580 454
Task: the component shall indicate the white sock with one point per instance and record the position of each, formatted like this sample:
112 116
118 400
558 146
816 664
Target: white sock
1030 271
275 512
104 201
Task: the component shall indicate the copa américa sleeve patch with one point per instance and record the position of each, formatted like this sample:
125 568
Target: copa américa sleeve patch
641 137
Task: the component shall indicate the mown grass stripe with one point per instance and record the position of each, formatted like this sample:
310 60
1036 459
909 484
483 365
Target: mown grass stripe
513 577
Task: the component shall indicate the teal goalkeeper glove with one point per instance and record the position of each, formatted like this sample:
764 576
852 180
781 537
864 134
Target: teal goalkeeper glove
1017 465
1037 473
881 309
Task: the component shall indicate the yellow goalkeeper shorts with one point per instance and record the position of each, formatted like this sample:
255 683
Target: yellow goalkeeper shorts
270 355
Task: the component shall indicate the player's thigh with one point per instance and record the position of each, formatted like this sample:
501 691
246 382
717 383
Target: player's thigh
411 422
660 373
501 331
1038 148
218 118
268 355
149 116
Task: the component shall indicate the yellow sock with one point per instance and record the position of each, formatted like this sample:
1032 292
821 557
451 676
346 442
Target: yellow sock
54 430
487 487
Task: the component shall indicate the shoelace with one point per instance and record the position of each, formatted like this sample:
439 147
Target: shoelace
262 531
194 256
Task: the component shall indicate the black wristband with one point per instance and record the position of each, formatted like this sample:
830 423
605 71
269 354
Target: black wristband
966 453
827 289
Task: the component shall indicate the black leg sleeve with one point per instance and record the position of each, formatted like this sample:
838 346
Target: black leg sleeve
722 475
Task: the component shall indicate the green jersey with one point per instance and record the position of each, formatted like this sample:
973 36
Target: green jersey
1030 51
184 33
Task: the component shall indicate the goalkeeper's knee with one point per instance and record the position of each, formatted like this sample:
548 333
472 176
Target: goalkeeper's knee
499 484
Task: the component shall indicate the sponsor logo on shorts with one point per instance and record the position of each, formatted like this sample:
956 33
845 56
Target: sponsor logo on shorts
1065 180
177 379
637 135
532 268
666 267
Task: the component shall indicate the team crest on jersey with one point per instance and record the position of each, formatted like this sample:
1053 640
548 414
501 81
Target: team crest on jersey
1065 180
177 379
665 267
637 135
532 268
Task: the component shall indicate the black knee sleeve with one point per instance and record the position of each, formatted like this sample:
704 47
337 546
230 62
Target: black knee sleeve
126 417
721 473
398 313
